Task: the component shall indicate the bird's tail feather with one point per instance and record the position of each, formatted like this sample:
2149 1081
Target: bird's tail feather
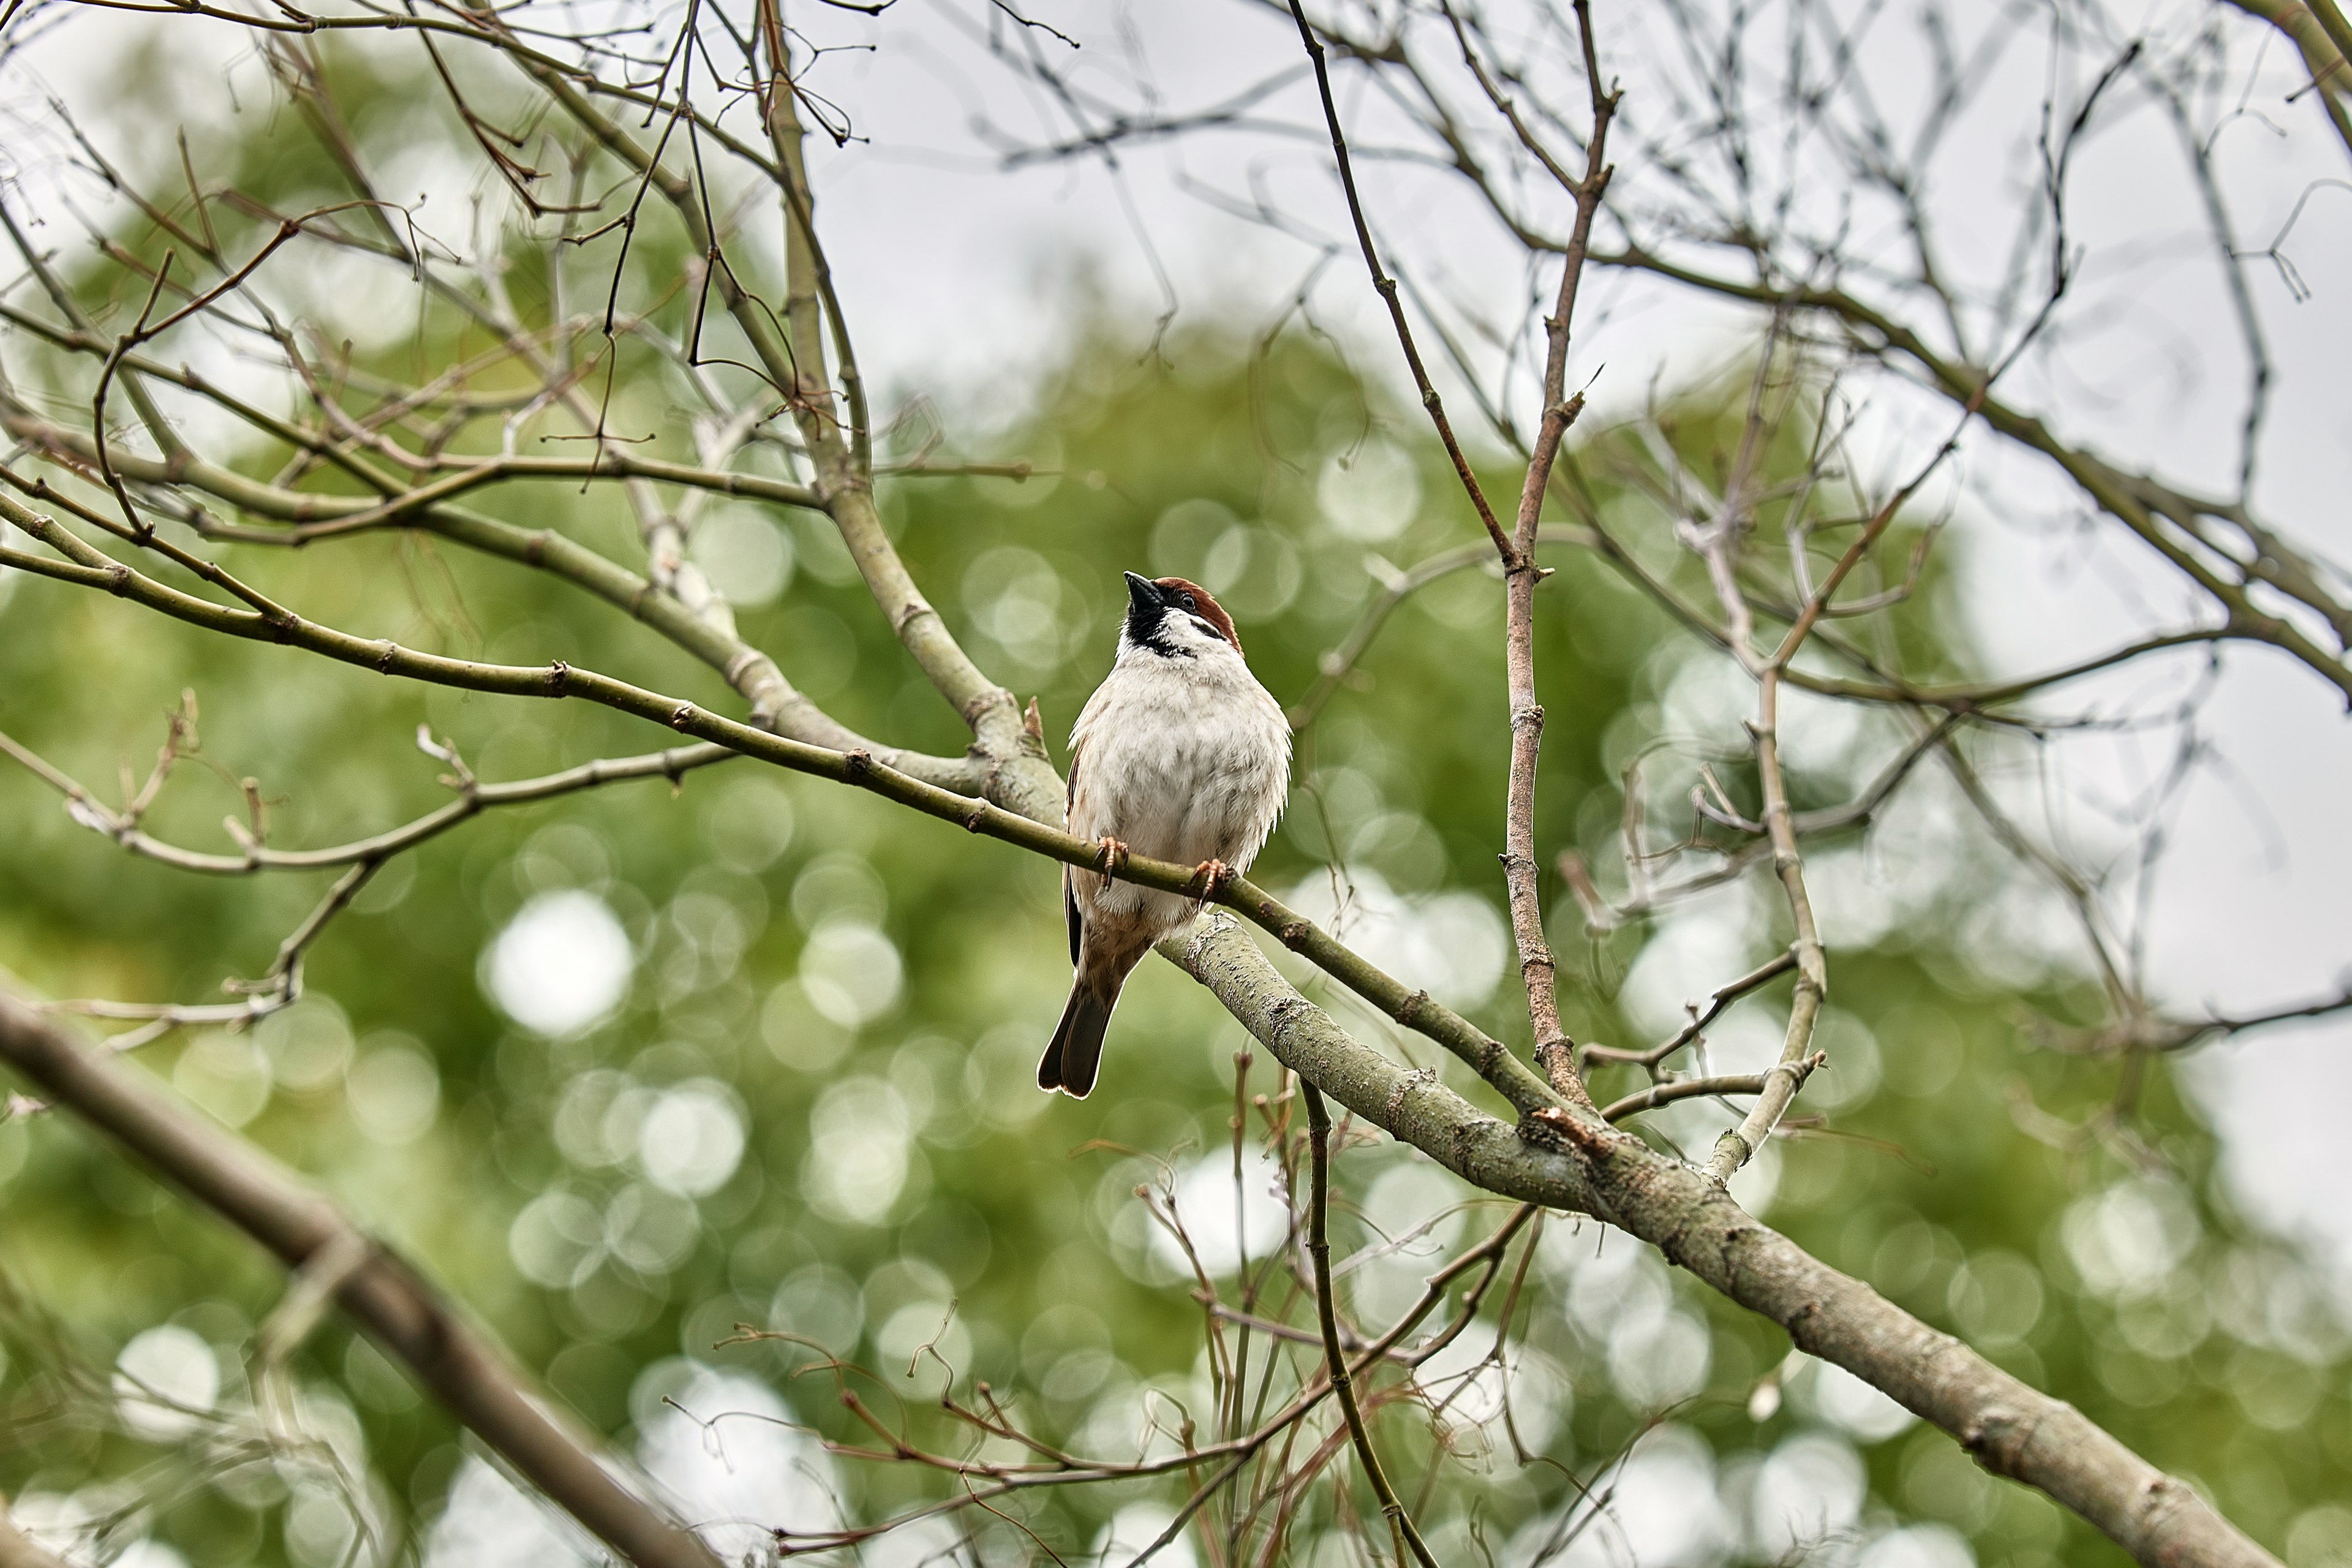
1074 1054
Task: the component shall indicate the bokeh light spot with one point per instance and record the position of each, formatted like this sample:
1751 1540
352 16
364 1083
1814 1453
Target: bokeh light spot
561 964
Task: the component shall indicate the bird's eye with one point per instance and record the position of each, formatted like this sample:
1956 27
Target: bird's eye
1189 601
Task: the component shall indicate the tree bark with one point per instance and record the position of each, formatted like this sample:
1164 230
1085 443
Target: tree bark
18 1549
1562 1161
451 1358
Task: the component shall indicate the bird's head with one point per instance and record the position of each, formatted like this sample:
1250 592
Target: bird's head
1171 618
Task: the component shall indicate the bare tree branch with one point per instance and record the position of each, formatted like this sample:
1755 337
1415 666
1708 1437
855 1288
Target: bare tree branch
1405 1534
1560 1161
401 1313
18 1549
474 797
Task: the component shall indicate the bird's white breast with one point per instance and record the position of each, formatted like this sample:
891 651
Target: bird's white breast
1181 759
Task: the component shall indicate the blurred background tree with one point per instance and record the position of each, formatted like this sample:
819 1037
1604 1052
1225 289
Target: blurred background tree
633 1072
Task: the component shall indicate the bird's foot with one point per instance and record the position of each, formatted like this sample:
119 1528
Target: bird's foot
1112 856
1212 875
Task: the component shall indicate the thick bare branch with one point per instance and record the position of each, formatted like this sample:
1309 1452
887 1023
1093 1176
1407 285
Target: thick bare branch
18 1549
1561 1162
447 1355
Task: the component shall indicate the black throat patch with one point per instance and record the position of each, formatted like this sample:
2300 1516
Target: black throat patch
1146 627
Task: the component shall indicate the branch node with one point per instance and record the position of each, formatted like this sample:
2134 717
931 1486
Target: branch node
1405 1086
1551 1127
980 704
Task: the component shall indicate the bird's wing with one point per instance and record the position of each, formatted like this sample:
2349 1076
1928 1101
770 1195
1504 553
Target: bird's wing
1069 886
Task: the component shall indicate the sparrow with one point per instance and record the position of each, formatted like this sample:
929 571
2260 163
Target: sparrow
1179 755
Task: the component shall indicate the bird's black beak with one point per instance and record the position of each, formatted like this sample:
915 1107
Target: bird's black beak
1147 610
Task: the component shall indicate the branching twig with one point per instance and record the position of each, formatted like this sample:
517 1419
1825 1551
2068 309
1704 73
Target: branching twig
1319 1247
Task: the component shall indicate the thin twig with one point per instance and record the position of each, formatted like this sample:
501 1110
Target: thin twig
1537 971
1387 288
1343 1382
1659 1094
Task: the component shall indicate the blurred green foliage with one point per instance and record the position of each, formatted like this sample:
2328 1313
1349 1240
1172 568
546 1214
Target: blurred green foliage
901 1182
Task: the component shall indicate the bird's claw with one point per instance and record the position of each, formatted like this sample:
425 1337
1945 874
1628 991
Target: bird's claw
1112 856
1212 875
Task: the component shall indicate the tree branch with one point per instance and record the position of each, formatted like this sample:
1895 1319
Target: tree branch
447 1355
1387 288
1403 1531
2149 509
776 702
18 1549
87 809
1013 769
1666 1093
89 567
1521 867
1561 1162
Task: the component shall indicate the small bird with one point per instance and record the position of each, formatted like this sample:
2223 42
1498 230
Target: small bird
1179 755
